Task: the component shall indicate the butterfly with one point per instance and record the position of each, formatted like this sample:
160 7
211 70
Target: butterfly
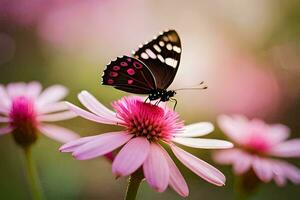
150 70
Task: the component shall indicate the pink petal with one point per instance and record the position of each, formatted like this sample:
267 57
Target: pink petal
131 156
5 99
91 103
279 180
196 130
90 116
278 133
291 172
51 94
16 89
234 128
4 110
278 173
57 116
226 157
242 164
203 143
156 168
34 89
5 130
4 119
58 133
199 167
103 144
240 160
290 148
263 169
75 144
176 181
54 107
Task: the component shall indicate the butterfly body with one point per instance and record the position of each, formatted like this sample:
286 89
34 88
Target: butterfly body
150 71
161 94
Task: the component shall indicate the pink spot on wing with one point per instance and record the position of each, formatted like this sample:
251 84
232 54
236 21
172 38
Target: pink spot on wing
137 65
116 68
113 74
124 64
130 81
130 71
129 59
110 81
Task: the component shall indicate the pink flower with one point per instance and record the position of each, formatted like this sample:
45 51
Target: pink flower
146 126
24 109
257 142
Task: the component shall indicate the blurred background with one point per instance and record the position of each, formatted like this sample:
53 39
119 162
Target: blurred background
247 52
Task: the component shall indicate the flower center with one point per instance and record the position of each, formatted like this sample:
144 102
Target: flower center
22 110
147 128
147 120
23 120
257 144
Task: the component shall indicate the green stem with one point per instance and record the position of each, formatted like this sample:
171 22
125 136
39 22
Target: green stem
239 194
32 177
133 185
246 185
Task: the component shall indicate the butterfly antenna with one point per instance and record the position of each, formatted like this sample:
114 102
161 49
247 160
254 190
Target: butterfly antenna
196 87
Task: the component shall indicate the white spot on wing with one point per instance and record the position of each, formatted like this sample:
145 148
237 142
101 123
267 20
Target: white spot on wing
161 43
176 49
156 47
150 53
171 62
160 58
144 55
169 46
165 38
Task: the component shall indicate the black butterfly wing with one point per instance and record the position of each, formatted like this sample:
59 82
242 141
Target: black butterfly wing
130 75
162 57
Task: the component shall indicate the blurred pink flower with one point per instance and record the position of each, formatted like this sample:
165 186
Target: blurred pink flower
30 12
24 109
257 142
145 126
62 27
250 87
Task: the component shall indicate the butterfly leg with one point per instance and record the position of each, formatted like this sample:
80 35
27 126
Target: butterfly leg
175 103
156 103
146 100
